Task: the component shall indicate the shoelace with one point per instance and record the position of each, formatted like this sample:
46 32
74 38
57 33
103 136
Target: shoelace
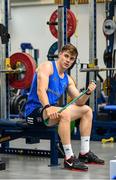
76 160
92 155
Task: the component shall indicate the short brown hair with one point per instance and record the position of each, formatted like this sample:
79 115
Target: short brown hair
71 49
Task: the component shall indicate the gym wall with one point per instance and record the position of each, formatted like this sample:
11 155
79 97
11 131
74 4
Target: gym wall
28 24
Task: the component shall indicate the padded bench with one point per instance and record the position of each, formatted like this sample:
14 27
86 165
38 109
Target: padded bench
14 129
111 108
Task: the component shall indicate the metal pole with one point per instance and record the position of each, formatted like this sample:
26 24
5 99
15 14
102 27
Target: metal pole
60 27
3 103
66 4
7 10
92 43
62 37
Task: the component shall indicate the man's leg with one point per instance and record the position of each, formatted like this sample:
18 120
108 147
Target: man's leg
70 161
84 113
63 131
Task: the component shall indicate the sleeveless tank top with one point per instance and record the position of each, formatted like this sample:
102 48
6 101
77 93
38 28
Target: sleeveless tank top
56 87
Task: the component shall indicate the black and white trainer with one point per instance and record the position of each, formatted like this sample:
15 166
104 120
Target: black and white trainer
74 164
91 158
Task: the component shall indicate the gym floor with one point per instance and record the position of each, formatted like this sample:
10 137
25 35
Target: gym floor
28 167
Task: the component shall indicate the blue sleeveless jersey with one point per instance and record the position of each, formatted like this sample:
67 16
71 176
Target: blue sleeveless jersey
56 87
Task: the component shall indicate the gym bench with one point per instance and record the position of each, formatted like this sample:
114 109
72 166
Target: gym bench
110 110
14 129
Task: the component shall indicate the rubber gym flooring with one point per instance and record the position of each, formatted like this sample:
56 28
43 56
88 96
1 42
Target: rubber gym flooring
28 167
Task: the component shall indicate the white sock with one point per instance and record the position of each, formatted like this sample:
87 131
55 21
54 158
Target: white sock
85 142
68 151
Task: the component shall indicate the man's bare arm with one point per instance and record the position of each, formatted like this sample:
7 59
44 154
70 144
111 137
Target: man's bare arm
73 92
43 73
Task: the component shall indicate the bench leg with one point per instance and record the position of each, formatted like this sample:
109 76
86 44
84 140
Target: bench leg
54 149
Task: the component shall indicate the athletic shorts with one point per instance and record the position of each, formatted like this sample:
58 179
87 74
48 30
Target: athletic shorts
35 117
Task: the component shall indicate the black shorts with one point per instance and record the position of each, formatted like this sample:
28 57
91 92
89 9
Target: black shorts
35 117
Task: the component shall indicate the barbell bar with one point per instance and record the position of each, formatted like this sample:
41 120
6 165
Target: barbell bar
97 69
18 70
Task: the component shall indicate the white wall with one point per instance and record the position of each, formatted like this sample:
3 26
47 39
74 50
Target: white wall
28 24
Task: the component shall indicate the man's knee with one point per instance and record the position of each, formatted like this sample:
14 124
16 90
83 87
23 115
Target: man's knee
65 116
88 109
89 114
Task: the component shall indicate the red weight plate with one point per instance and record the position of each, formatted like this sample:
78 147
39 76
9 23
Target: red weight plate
53 19
29 64
71 23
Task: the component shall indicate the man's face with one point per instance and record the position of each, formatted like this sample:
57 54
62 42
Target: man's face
66 59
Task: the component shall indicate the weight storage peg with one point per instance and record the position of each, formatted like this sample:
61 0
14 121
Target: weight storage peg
51 52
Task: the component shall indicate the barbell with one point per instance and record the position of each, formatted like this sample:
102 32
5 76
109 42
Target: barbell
21 78
10 71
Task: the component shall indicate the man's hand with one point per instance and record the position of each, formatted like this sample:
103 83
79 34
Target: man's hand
52 113
91 87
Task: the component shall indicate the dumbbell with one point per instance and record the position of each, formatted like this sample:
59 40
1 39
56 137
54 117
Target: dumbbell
111 139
